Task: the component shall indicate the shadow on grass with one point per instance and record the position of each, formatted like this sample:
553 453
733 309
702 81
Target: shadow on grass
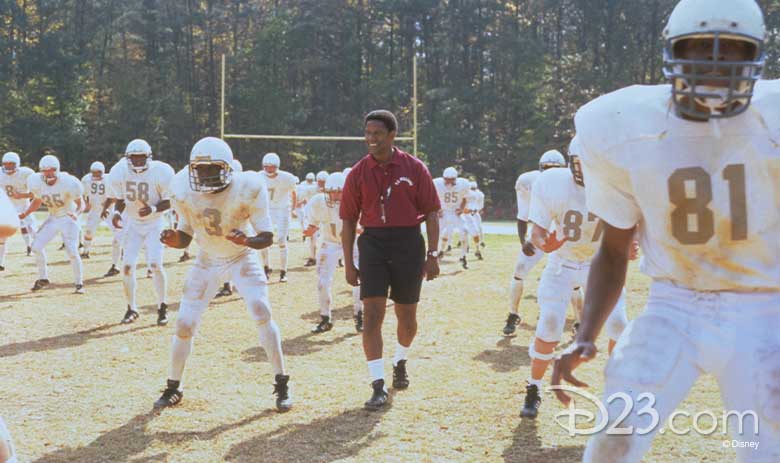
65 341
527 447
342 313
304 344
132 438
508 357
322 440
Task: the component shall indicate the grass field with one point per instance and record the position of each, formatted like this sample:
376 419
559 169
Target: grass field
76 386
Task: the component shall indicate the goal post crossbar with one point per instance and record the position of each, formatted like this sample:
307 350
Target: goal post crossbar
224 135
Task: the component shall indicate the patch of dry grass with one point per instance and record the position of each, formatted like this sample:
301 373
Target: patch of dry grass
78 387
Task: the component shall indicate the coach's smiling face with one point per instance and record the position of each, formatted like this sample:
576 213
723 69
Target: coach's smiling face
379 140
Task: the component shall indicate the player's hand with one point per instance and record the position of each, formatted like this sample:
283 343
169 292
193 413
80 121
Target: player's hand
169 238
116 221
529 249
146 210
633 252
104 214
293 215
236 237
310 231
22 216
552 243
352 273
567 362
431 268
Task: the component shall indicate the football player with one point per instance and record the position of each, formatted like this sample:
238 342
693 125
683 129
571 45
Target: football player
528 256
7 453
695 167
564 227
95 194
61 193
13 180
323 214
472 218
303 193
281 197
140 187
227 288
216 207
9 218
322 177
452 192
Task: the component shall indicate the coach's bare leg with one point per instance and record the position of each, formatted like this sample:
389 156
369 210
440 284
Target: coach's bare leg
407 323
373 317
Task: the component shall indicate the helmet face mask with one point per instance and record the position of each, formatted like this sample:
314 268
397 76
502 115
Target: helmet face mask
210 176
49 175
550 159
270 169
334 185
138 155
576 169
10 162
49 167
97 174
10 168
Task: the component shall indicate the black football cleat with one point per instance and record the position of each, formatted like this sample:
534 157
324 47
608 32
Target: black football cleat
310 262
282 391
85 255
112 271
449 248
400 378
532 402
575 327
171 395
79 289
511 324
268 271
378 397
341 263
479 255
29 251
62 247
283 276
162 315
464 263
482 243
323 326
149 273
130 316
185 256
359 322
225 291
2 268
40 284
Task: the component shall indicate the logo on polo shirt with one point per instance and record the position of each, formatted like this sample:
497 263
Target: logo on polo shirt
404 179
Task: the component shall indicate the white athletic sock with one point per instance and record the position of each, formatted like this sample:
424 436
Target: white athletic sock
40 260
515 294
87 244
400 353
116 252
160 280
578 301
376 369
357 303
28 238
535 382
180 351
313 247
443 245
2 253
129 285
325 298
283 257
265 256
464 245
78 269
271 340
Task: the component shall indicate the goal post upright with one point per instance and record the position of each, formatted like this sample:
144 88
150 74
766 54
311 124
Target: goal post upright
225 136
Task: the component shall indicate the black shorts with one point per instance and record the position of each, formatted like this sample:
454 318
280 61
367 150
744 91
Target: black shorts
391 258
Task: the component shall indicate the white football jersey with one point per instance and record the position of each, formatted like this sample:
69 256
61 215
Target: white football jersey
325 217
280 188
209 217
557 199
451 196
95 190
705 195
306 191
16 183
58 198
475 200
139 189
523 187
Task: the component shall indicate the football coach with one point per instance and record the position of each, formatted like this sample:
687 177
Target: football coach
391 193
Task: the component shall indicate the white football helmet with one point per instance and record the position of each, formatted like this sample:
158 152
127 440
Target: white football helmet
552 158
137 148
97 166
11 158
237 166
310 177
334 185
450 173
346 171
740 20
49 167
322 177
473 185
272 159
211 165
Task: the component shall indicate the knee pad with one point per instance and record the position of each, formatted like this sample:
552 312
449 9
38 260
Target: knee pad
128 269
539 356
156 267
603 447
260 310
185 327
549 327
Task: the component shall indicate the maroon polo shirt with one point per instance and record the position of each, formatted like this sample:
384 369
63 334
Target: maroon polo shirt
401 191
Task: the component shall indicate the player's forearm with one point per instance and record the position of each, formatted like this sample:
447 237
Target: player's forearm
522 229
108 203
432 230
34 206
348 232
260 241
606 279
163 205
119 206
538 236
182 240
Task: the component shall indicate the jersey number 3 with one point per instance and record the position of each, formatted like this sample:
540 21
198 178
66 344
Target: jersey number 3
693 222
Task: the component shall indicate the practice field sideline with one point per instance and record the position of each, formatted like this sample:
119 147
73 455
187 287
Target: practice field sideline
78 387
